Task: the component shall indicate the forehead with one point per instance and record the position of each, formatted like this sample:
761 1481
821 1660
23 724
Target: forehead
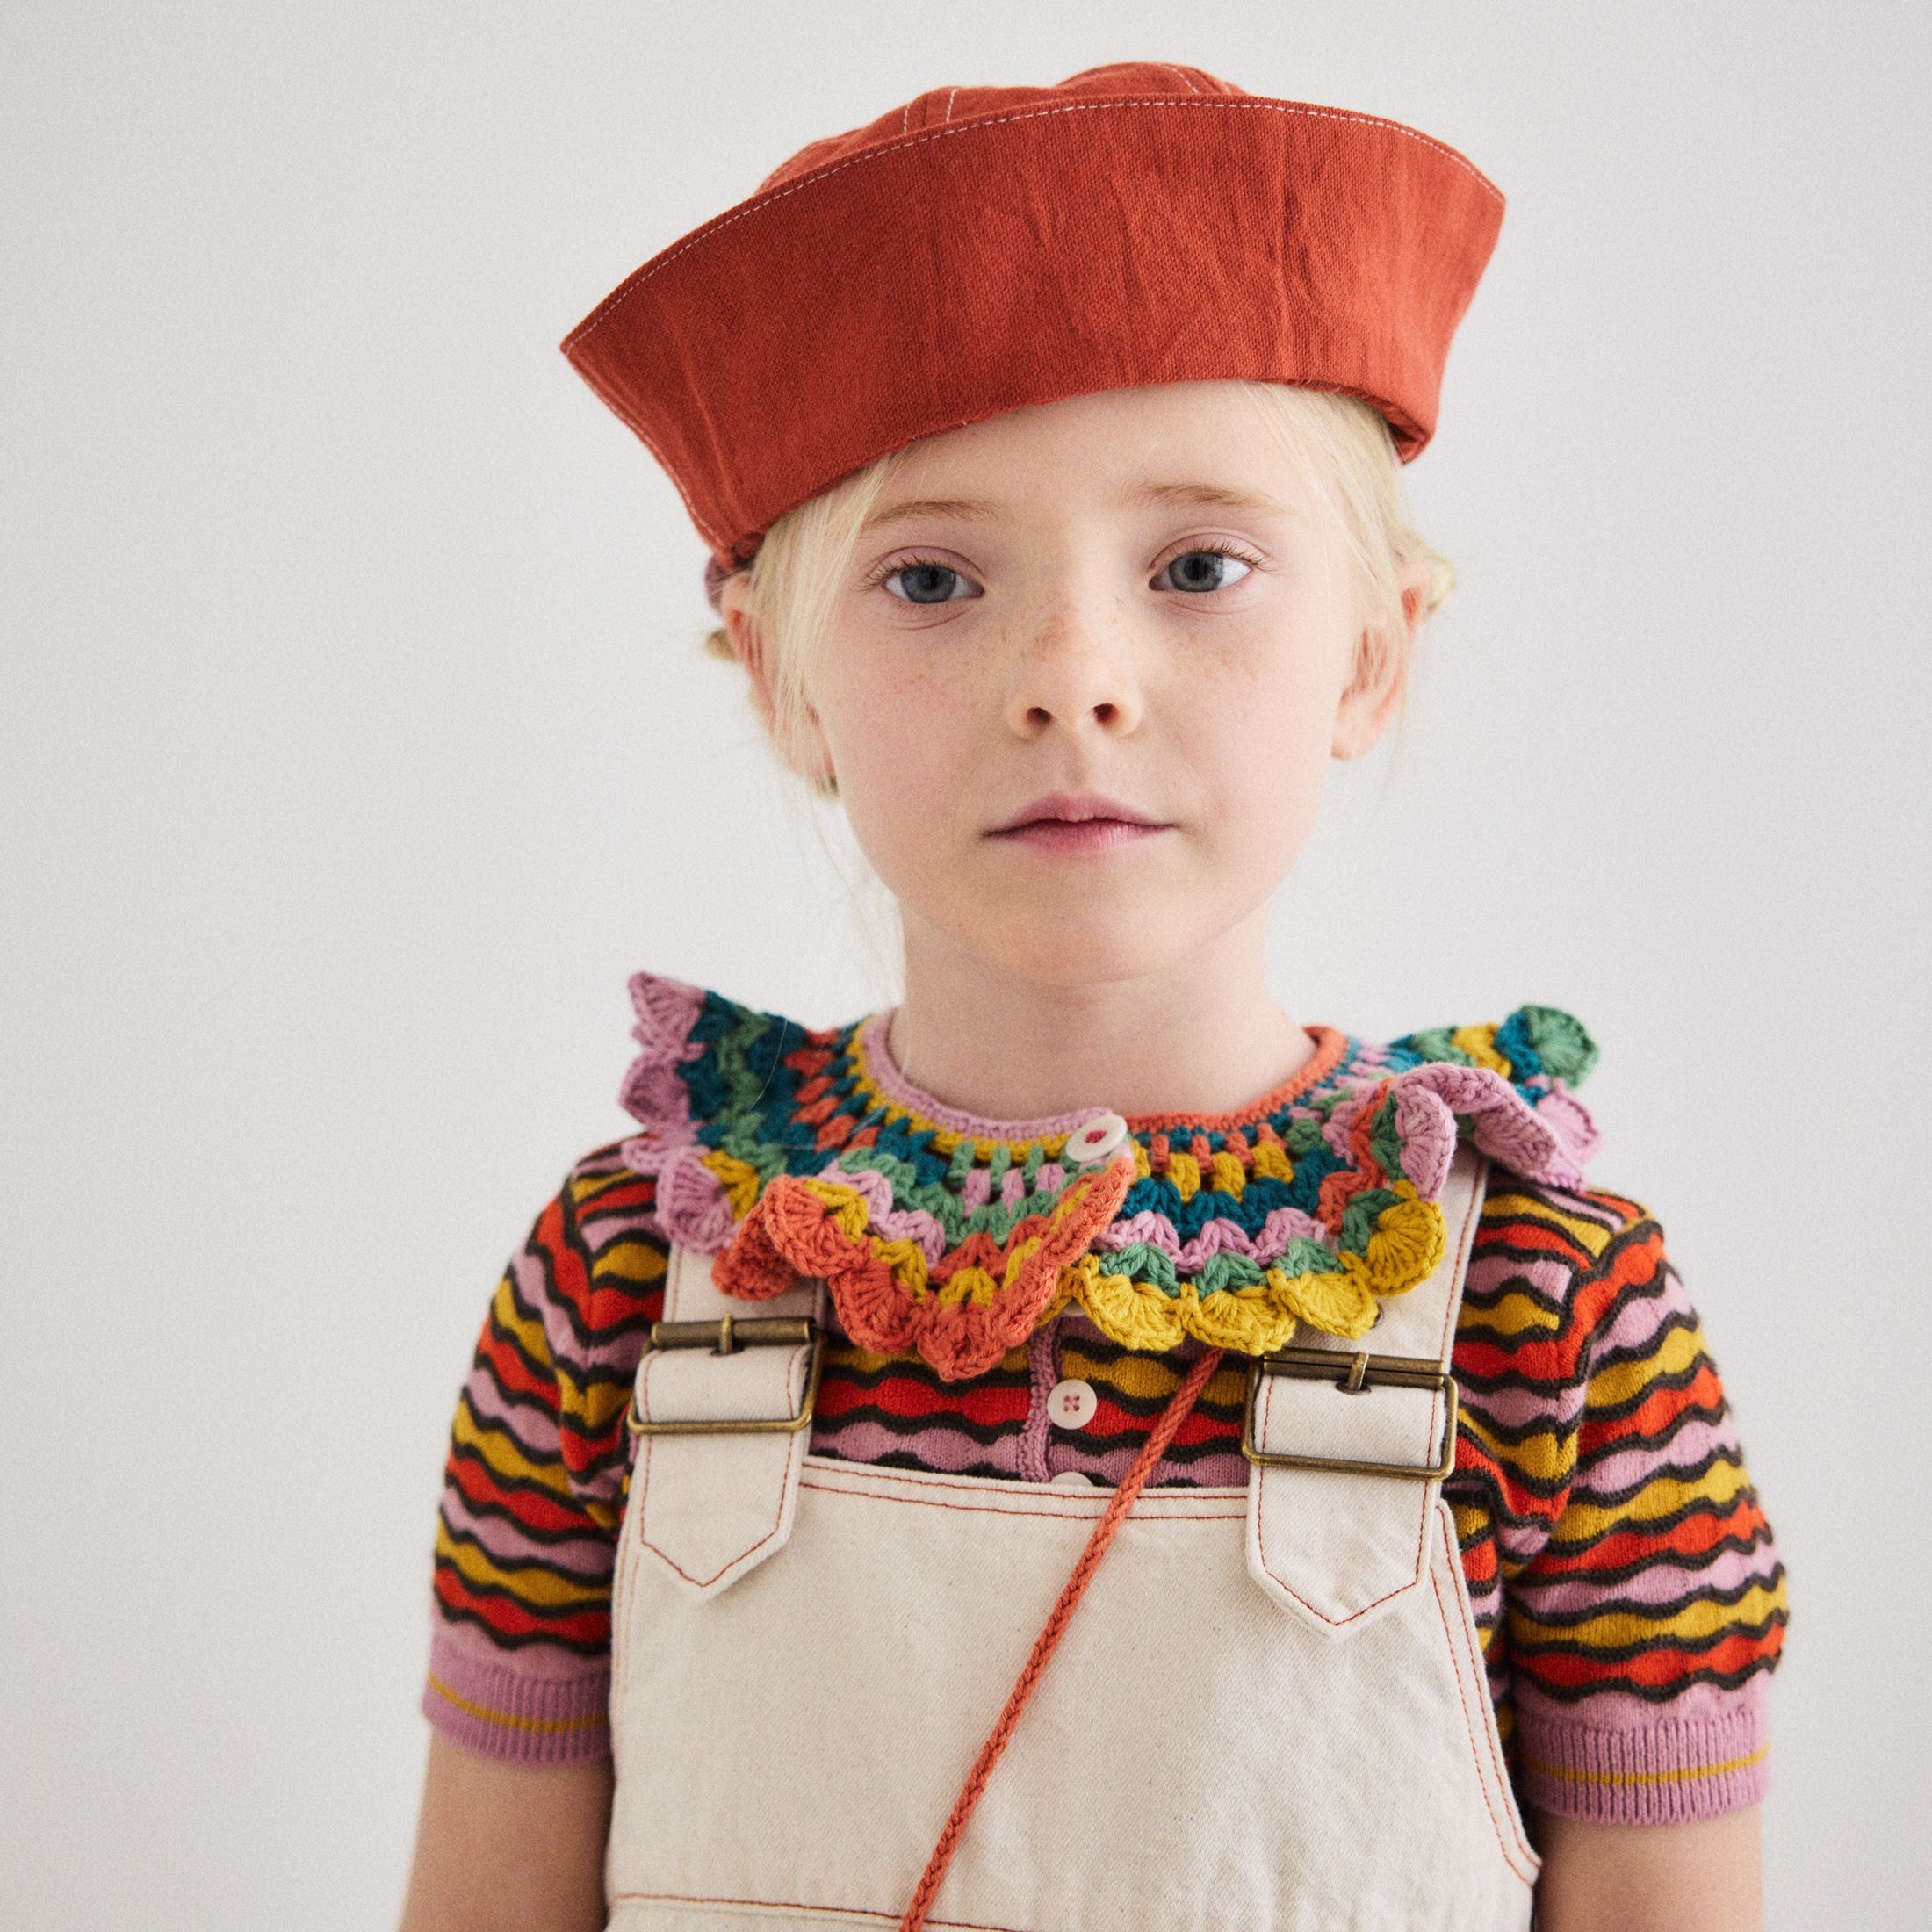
1129 445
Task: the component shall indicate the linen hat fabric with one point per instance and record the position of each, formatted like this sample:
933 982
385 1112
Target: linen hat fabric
982 249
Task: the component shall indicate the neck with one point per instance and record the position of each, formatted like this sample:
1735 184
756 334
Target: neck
1203 1035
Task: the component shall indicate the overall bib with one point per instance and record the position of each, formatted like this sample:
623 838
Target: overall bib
1269 1711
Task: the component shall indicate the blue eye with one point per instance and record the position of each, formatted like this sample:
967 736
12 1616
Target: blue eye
1200 570
929 584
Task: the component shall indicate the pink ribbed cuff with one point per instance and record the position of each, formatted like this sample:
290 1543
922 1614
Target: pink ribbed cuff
499 1712
1659 1774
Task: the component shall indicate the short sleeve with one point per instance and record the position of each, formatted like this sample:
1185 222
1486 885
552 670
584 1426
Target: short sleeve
533 1486
1637 1600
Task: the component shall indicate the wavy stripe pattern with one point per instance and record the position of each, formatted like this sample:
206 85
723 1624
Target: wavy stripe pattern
1622 1573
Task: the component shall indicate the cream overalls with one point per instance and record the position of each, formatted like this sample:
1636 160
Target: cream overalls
1269 1711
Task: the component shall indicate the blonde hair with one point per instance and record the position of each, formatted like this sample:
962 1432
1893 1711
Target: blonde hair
791 586
1340 442
1344 446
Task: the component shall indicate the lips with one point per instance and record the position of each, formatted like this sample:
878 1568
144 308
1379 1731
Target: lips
1078 822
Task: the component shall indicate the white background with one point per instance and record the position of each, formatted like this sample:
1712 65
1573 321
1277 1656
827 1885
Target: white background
354 743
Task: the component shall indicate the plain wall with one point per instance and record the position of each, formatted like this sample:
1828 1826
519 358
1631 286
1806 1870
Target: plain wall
356 742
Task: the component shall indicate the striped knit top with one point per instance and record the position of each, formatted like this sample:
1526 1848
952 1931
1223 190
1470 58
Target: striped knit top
1621 1571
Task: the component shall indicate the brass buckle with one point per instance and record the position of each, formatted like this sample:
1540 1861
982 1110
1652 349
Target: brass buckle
727 1336
1356 1373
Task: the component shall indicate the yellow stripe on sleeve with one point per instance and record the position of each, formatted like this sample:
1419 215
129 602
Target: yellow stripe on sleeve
529 1583
504 1455
1679 1350
1688 1774
1618 1629
637 1261
1591 1235
590 1411
1512 1314
524 1329
509 1719
1544 1457
1666 1496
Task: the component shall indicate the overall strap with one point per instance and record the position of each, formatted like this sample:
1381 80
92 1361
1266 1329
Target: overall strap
722 1412
1349 1441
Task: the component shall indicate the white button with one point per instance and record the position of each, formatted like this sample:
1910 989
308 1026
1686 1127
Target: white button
1071 1479
1072 1404
1096 1140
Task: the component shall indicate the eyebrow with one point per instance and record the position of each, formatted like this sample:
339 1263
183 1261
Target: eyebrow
1210 495
929 506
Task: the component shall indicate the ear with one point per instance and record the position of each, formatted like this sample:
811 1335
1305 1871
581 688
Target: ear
748 646
1380 679
799 741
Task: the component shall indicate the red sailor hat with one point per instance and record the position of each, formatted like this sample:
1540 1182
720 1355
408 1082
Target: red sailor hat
985 248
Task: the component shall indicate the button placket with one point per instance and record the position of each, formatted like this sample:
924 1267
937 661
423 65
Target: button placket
1036 1433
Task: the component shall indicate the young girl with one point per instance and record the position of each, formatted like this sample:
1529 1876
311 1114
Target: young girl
1082 1451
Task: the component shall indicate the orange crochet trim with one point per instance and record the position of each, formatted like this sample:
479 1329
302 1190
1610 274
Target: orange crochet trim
990 1300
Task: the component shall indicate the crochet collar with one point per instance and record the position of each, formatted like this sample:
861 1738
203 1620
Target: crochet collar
791 1154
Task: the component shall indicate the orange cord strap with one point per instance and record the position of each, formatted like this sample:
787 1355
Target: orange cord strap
1048 1640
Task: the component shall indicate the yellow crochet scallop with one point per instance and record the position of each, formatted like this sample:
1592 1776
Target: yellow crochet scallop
738 1178
1135 1314
1249 1320
1185 1171
1407 1244
1337 1304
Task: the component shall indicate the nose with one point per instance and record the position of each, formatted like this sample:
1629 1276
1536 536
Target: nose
1076 671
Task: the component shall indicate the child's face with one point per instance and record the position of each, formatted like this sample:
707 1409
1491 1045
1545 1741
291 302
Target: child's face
1084 678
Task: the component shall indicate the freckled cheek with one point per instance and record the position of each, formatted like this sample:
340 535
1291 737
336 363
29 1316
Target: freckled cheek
903 745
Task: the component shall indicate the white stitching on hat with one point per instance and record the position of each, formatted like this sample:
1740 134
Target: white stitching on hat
639 277
616 299
950 99
1184 81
